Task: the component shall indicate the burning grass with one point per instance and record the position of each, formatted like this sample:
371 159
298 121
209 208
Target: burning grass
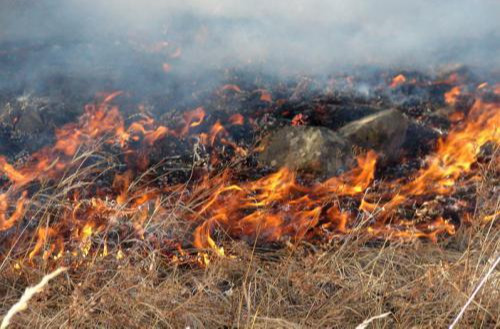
221 244
336 285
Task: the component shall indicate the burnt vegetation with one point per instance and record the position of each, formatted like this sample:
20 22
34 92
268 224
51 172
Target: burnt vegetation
159 202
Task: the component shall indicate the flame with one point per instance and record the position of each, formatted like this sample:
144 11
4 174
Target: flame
192 119
490 218
121 183
96 122
177 53
44 235
451 96
454 156
298 120
397 81
265 96
7 223
216 129
429 231
482 85
100 124
234 88
277 207
13 174
236 119
458 151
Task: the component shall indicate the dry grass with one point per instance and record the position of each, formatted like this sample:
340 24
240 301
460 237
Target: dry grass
423 285
338 285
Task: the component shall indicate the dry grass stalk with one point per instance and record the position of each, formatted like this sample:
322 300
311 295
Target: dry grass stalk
474 293
365 323
22 304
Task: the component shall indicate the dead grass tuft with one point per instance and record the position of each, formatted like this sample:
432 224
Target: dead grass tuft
423 285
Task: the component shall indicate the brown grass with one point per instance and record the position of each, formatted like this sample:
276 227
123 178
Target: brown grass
423 285
337 285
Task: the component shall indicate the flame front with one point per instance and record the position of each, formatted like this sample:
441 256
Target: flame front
272 208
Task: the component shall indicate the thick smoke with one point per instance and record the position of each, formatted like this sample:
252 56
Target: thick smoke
313 36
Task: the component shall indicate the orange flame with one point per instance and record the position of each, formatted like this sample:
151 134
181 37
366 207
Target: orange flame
7 223
234 88
275 207
216 130
96 122
236 119
454 156
192 119
398 80
265 96
451 96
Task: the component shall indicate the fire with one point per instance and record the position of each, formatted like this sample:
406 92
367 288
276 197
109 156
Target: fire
216 130
451 96
234 88
177 53
192 119
398 80
121 183
456 153
265 96
482 85
429 231
236 119
43 237
96 122
13 174
298 120
454 156
7 222
277 207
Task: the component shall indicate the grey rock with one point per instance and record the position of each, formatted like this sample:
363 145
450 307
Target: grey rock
384 132
308 149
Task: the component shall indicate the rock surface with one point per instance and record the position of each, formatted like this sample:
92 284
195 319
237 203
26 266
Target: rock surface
308 149
384 132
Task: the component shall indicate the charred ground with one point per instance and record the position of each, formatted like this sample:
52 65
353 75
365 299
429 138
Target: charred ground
147 266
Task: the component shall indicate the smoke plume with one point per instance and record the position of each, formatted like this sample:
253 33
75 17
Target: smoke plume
314 36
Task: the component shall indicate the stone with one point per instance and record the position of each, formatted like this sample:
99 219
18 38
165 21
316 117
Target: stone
307 149
420 138
384 132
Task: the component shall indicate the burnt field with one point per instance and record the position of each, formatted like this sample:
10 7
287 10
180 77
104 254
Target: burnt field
232 165
251 201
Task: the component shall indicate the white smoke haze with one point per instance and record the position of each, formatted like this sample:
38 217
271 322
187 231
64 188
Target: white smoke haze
311 36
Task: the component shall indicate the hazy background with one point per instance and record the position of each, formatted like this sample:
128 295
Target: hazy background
310 36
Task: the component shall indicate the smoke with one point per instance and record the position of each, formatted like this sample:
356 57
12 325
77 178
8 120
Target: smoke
313 36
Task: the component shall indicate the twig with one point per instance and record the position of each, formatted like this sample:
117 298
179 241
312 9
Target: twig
22 304
471 298
370 320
